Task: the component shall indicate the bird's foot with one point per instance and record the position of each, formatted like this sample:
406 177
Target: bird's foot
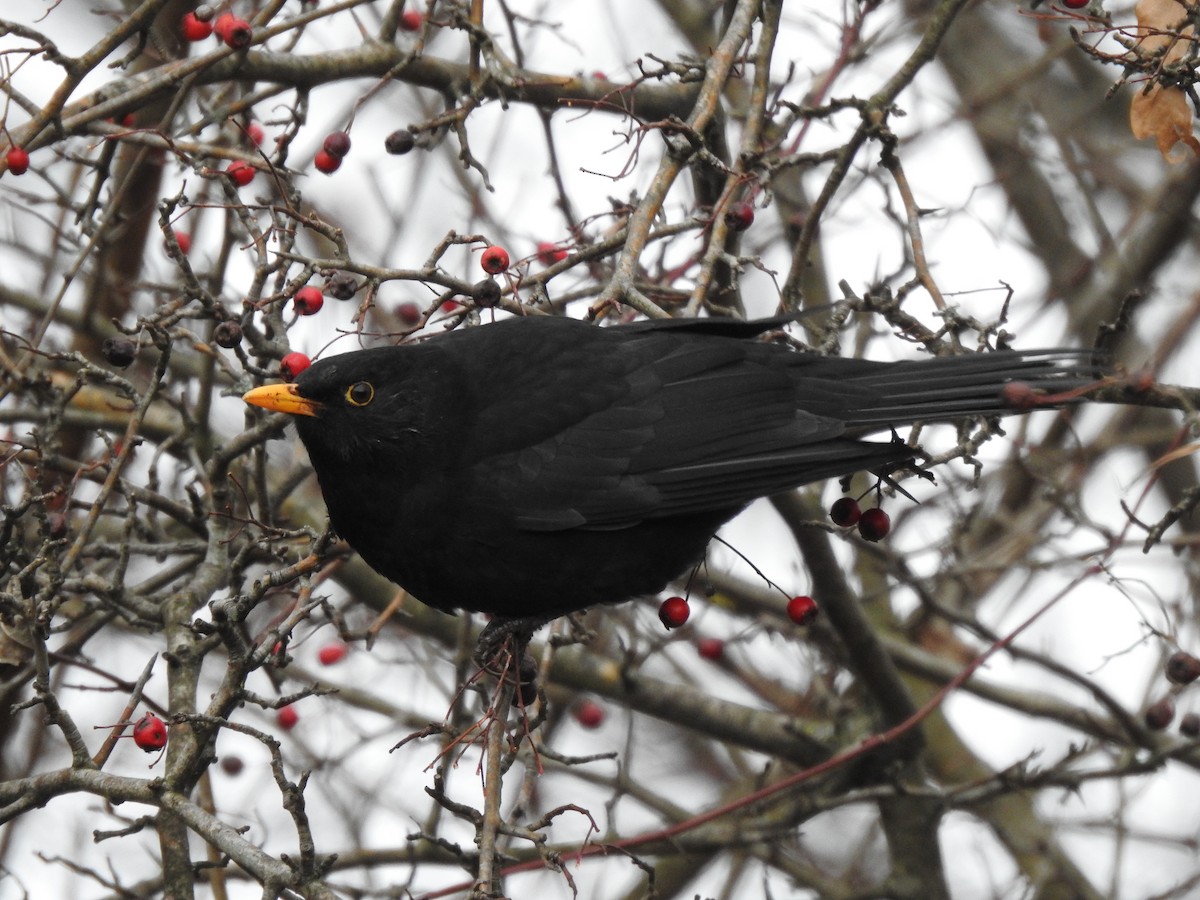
503 647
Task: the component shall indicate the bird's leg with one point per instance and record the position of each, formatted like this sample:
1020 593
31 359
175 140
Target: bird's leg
503 647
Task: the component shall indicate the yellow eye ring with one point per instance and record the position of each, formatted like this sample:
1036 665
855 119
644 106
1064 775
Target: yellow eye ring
360 393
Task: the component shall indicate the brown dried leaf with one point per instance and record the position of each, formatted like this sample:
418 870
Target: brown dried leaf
1163 113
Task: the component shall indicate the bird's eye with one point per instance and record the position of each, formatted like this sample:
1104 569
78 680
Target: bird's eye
360 393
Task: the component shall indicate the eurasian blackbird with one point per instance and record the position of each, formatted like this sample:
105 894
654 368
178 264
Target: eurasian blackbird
540 465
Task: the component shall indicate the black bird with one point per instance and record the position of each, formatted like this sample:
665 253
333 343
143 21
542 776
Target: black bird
541 465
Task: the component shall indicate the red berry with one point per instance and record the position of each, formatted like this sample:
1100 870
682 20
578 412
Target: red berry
241 172
150 733
193 29
332 653
845 512
18 160
184 240
740 216
1183 668
494 260
548 254
235 32
674 612
1160 714
409 313
255 132
599 76
874 524
450 306
589 714
802 610
308 300
710 648
327 162
293 364
287 717
1019 395
411 20
1075 4
232 765
337 143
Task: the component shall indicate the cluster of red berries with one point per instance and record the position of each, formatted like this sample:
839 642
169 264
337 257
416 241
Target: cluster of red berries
234 31
873 524
333 150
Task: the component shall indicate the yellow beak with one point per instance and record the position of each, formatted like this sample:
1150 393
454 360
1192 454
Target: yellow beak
281 398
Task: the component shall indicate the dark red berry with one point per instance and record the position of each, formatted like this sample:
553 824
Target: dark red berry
486 293
57 525
1182 668
494 260
1190 725
711 648
399 142
740 216
674 612
332 653
409 313
411 20
548 254
802 610
18 160
308 301
232 765
1019 395
150 733
327 162
287 717
293 364
235 32
342 286
1160 714
193 29
227 334
589 714
255 132
119 351
1075 4
337 143
874 524
845 512
241 172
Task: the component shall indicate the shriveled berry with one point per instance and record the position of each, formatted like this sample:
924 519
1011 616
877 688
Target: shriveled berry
232 765
326 162
589 714
486 293
293 364
287 717
332 653
711 648
399 142
227 334
874 524
740 216
150 733
845 512
1160 714
548 254
308 301
234 31
119 351
1189 725
193 29
409 313
17 159
673 612
411 20
494 260
241 172
341 286
337 143
802 610
1182 668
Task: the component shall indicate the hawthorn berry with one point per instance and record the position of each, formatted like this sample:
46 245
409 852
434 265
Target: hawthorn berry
399 142
845 512
308 301
337 143
1182 668
119 351
740 216
1160 714
227 334
293 364
193 29
57 525
1190 725
494 260
232 765
287 717
341 286
548 254
486 293
450 306
710 648
802 610
409 313
241 172
673 612
255 132
1075 4
326 162
874 524
184 240
150 733
234 31
332 653
411 20
589 714
17 159
1019 395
